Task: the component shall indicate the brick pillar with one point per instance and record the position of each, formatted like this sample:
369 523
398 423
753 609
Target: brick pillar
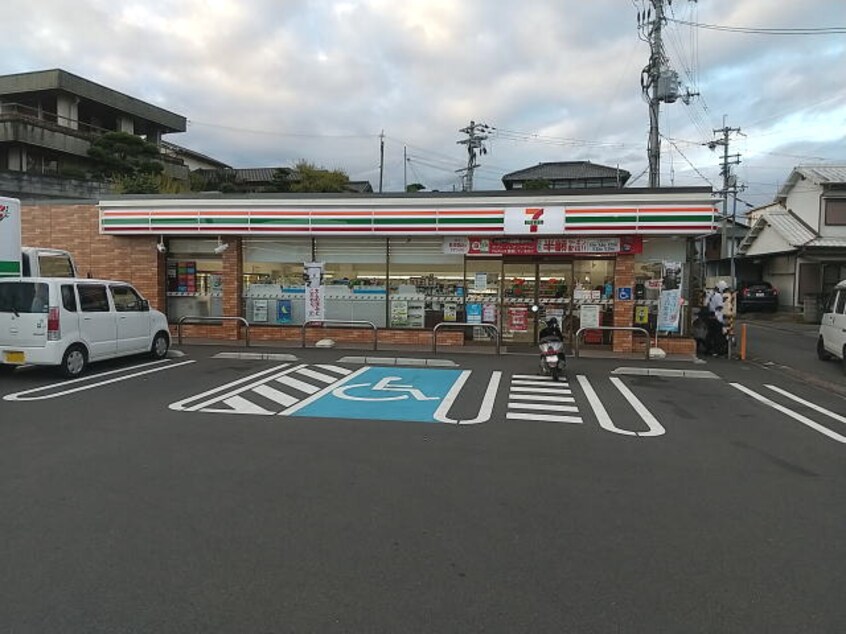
623 311
233 282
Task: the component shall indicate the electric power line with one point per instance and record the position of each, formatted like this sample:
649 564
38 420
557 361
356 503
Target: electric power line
826 30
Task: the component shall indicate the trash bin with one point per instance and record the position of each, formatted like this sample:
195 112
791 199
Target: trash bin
811 309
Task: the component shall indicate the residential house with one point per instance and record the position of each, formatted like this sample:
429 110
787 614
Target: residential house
568 175
48 120
800 240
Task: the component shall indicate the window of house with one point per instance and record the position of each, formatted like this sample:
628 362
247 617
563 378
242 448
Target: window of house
835 211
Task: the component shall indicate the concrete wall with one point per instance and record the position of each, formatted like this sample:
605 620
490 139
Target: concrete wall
43 136
780 271
30 187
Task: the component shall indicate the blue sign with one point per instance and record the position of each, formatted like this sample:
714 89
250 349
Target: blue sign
283 311
387 393
474 313
624 293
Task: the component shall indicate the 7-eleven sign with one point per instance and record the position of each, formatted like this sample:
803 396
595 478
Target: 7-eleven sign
534 220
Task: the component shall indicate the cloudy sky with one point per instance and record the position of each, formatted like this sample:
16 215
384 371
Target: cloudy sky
268 82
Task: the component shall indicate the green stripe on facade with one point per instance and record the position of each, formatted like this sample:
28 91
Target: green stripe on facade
124 221
610 220
173 221
303 222
10 267
404 221
471 220
213 220
341 221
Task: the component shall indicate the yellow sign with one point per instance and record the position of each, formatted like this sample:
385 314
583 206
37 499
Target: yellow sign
641 314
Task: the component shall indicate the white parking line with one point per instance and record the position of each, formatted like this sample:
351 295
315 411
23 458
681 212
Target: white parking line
599 410
485 409
302 386
807 404
540 383
789 412
21 396
655 428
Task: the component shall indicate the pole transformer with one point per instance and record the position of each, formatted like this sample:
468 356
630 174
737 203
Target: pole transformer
476 134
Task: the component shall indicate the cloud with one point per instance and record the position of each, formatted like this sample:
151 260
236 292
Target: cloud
322 78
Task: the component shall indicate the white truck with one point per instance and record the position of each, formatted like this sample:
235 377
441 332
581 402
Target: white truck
19 261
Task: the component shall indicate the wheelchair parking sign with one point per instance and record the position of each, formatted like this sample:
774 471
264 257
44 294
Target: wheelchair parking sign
388 393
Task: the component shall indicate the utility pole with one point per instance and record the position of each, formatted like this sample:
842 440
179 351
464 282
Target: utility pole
729 187
381 158
658 81
405 168
476 134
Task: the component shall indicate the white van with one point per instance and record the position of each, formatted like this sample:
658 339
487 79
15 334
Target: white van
69 322
832 340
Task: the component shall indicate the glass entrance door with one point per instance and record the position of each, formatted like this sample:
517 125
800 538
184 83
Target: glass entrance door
519 293
555 293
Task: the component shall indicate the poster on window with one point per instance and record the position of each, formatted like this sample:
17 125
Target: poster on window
669 310
260 310
399 313
489 313
480 284
450 312
315 304
589 316
474 313
671 275
284 311
518 319
641 315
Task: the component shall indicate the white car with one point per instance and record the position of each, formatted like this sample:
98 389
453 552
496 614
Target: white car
69 323
832 340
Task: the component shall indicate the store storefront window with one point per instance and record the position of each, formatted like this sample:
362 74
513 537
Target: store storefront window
484 276
593 299
426 285
355 273
274 291
194 279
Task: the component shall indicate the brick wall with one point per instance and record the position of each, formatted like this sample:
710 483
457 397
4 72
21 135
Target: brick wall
623 311
293 334
75 228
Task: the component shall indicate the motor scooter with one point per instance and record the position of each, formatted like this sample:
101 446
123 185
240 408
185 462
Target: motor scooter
552 359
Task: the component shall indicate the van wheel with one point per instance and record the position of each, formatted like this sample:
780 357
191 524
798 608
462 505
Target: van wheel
74 361
160 346
822 353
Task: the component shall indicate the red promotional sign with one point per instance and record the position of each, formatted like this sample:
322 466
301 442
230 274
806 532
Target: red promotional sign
518 319
556 246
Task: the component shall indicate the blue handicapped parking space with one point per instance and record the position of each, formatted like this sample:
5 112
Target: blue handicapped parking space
389 393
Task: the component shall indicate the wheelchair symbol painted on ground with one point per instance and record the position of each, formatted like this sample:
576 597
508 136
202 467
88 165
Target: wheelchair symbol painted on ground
423 395
383 385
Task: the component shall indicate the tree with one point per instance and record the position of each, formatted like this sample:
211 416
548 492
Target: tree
309 178
281 180
415 187
120 154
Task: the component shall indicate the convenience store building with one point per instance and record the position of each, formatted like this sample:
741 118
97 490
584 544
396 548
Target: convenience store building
403 262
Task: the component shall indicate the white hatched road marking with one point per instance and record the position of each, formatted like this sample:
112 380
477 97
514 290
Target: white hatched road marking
542 407
789 412
238 397
655 428
302 386
538 398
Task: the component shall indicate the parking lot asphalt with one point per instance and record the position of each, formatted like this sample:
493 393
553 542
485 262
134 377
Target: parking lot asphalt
323 493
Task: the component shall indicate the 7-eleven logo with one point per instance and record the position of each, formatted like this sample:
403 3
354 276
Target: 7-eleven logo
533 219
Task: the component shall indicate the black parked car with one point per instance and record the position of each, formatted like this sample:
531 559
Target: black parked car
757 295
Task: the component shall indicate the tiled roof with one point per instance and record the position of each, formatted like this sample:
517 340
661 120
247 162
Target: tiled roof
567 170
828 243
817 174
793 230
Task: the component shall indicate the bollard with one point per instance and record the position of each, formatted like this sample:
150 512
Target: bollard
743 342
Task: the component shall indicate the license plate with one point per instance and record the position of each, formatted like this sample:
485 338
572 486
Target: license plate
759 294
552 359
17 358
